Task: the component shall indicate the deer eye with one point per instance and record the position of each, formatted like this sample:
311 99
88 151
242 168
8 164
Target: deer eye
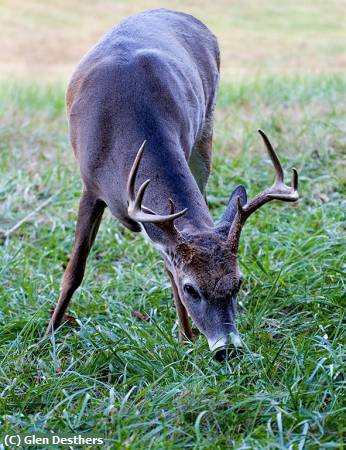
191 291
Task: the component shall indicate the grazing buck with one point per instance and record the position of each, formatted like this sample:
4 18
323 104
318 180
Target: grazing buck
154 77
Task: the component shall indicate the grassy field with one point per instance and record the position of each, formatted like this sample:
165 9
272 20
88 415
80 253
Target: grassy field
129 380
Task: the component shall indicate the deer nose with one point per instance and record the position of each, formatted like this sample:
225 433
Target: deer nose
221 355
229 353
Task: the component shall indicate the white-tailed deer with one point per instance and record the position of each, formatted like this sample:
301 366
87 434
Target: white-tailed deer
154 78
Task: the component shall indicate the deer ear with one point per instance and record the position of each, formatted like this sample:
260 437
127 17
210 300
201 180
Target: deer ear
231 209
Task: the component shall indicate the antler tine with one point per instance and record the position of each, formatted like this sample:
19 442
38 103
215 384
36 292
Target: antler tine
240 209
140 195
273 156
279 191
141 213
294 179
171 206
133 173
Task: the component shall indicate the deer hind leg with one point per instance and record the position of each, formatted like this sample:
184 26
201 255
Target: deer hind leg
89 218
183 318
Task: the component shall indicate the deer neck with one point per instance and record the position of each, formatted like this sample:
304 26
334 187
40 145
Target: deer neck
171 178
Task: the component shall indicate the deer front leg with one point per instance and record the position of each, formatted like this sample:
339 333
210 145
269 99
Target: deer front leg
183 318
200 161
89 218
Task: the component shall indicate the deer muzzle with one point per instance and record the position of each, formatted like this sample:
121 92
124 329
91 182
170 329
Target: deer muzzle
232 339
225 346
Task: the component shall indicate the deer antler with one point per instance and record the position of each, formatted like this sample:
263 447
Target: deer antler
279 191
135 209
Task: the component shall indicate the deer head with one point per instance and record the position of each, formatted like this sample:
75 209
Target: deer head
203 262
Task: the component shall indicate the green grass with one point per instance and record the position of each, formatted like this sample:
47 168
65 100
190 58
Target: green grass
132 381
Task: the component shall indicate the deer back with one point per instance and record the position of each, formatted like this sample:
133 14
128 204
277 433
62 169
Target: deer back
152 77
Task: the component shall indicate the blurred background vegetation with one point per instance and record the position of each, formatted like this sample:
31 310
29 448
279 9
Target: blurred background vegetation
45 39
